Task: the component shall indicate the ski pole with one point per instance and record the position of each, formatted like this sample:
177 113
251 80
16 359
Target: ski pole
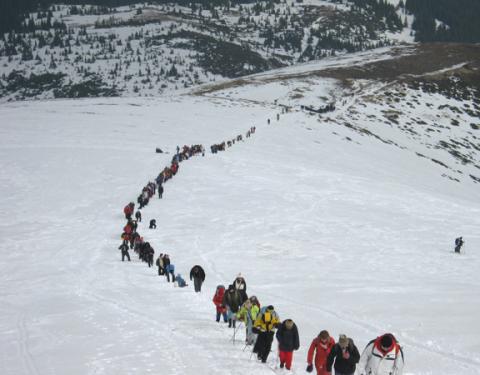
235 331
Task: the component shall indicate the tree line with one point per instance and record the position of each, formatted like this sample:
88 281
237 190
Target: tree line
458 20
14 12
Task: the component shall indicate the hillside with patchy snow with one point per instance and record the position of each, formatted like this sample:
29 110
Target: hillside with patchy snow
147 50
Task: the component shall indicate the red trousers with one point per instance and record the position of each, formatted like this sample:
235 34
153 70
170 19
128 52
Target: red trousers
286 357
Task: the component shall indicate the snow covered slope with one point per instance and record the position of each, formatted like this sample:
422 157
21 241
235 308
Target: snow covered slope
337 229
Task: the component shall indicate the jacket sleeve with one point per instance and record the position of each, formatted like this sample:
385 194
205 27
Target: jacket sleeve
355 357
311 351
191 274
279 333
297 338
365 358
331 358
399 362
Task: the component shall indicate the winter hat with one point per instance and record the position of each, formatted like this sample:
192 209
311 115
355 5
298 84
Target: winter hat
289 324
270 307
386 341
343 340
324 335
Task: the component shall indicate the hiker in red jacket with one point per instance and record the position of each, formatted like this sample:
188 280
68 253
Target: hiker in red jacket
321 346
217 300
128 210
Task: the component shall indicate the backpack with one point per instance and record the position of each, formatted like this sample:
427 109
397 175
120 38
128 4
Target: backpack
267 316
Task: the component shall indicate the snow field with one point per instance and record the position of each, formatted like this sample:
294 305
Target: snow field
334 234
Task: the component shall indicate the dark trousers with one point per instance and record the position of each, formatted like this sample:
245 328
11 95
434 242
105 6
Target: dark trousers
150 260
263 345
160 271
197 282
224 314
168 276
125 254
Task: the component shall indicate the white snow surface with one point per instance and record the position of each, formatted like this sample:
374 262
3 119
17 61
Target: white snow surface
352 237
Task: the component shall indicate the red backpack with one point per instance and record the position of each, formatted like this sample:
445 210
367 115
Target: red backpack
219 293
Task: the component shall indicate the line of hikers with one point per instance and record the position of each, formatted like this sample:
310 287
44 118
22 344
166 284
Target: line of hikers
381 356
239 138
131 239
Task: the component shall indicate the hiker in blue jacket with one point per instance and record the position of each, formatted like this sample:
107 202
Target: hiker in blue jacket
180 281
169 268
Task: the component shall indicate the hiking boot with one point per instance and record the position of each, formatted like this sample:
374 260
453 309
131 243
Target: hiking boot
282 364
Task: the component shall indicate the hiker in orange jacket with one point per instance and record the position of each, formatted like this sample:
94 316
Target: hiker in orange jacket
321 346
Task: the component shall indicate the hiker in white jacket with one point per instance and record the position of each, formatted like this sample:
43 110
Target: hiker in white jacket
382 356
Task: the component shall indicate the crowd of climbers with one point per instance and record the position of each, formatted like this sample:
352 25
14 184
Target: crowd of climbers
327 108
381 356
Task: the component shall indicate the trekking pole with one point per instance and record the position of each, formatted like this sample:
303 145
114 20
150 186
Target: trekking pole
235 331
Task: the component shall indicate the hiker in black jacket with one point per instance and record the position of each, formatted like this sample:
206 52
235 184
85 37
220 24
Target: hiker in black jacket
124 248
198 275
288 341
160 191
345 355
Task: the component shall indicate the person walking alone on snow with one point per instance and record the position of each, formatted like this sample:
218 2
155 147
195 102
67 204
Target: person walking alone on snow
458 244
198 275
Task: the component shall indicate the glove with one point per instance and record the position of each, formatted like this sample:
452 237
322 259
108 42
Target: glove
309 368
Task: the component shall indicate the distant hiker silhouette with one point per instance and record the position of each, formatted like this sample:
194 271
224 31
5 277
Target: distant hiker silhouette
153 224
458 244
